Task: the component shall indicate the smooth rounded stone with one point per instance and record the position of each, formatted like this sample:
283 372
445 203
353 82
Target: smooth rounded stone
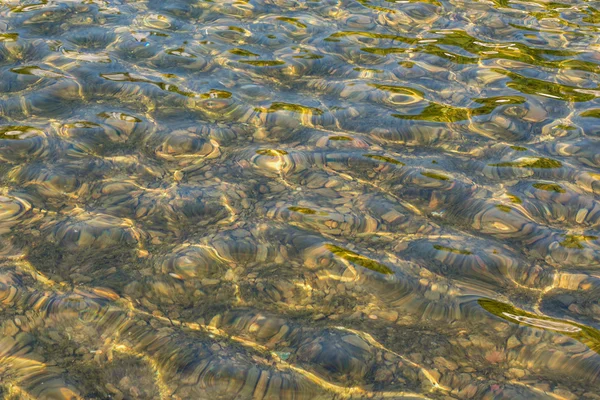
181 58
53 100
366 165
91 38
236 250
526 167
157 21
272 162
467 256
170 210
11 289
334 354
579 305
310 61
393 283
223 134
512 122
555 203
185 148
323 221
48 182
89 231
54 20
588 181
118 198
429 133
192 262
498 220
268 329
585 151
297 28
189 205
92 137
568 250
221 106
125 124
431 190
29 372
121 375
340 142
12 210
199 370
18 48
134 45
573 346
347 359
26 79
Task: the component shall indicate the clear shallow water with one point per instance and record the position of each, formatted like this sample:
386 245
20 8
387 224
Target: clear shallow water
299 200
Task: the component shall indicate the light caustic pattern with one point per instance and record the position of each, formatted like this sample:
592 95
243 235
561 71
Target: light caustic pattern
286 199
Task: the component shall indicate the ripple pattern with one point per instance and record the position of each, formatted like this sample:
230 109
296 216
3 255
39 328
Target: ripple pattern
299 199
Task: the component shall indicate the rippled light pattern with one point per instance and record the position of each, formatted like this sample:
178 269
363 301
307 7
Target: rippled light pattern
294 199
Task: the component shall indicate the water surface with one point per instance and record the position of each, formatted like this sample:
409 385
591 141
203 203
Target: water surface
279 199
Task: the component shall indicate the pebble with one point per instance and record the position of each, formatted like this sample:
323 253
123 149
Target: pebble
512 342
390 316
443 363
516 373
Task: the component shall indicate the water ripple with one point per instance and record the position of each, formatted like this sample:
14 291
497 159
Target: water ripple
293 199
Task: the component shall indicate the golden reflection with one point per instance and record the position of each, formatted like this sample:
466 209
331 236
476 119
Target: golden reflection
299 199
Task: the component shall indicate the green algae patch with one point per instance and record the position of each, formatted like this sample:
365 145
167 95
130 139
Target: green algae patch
8 37
296 108
238 29
549 187
309 56
384 159
307 211
399 90
595 113
340 138
540 162
243 53
36 71
14 132
539 87
518 148
574 241
119 116
452 250
569 127
263 63
216 94
371 70
358 259
302 210
503 208
293 21
434 175
582 333
514 199
180 52
271 152
127 77
374 35
384 51
438 112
